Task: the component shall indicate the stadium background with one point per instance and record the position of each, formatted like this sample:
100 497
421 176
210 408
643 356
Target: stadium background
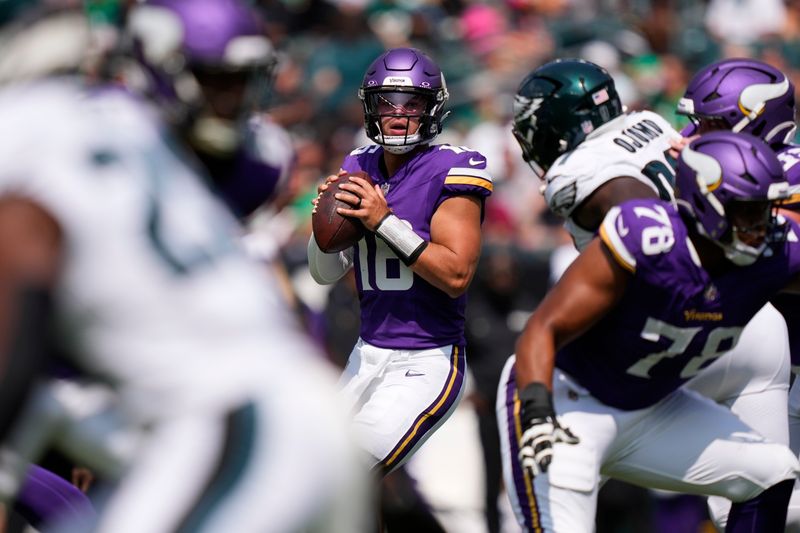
651 47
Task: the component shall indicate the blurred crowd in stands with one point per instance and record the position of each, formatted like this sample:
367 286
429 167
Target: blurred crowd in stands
485 48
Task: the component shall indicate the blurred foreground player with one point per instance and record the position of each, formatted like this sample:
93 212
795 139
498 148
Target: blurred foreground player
107 232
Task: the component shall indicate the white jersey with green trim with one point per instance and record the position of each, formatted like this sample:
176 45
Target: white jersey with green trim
155 293
634 144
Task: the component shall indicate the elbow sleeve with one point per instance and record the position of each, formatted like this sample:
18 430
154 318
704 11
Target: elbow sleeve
327 268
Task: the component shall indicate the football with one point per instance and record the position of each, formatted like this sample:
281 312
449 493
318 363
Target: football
332 231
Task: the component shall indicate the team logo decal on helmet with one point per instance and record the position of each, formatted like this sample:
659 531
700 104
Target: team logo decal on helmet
742 95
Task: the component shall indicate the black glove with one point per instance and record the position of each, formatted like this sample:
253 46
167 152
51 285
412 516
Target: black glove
540 429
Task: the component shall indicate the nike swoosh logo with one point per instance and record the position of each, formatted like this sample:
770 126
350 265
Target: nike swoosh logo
476 161
413 373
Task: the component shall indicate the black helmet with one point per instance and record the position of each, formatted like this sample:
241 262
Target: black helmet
557 105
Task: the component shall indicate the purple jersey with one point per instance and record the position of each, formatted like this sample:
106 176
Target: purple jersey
258 171
674 318
398 308
789 304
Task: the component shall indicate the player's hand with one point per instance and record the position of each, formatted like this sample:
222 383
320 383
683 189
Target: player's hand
324 185
677 145
369 203
541 429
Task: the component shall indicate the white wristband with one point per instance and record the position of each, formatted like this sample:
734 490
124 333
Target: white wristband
401 238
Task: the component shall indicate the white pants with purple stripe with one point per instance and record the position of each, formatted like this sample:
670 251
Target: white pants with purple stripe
398 398
684 443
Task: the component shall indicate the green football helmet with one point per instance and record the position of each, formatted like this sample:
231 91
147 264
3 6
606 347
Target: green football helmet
558 105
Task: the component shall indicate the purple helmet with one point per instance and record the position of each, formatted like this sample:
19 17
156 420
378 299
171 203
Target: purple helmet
207 62
400 85
742 95
721 169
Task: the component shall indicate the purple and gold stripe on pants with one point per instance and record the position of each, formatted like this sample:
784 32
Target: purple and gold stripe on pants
431 416
523 484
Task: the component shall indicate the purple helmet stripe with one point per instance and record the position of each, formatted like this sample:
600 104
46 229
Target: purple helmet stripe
433 415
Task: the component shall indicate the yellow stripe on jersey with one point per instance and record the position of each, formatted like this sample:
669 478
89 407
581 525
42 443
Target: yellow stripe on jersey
468 180
612 239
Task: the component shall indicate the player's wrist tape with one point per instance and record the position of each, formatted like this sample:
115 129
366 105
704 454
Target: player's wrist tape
536 402
401 239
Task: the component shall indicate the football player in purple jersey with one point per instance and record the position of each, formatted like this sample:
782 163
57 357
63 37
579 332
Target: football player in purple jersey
217 100
592 156
596 387
751 96
405 374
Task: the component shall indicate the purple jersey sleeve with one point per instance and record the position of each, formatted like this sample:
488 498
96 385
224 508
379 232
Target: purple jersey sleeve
398 308
789 156
675 318
789 304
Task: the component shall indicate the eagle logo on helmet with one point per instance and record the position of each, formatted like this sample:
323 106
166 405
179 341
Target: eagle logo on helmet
525 108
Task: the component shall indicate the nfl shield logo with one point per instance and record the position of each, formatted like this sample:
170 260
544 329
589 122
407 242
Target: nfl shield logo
385 188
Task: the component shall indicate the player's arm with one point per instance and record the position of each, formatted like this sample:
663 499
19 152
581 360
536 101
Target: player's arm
327 268
589 289
589 215
30 253
451 258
